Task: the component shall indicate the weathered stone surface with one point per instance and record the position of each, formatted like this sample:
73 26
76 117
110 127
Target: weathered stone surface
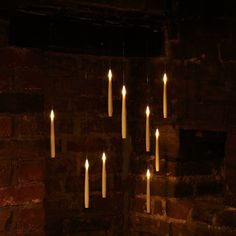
147 224
178 209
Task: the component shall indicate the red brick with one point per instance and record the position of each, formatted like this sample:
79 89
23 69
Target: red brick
149 225
206 110
6 75
106 206
138 204
178 209
15 56
169 140
21 102
157 185
31 219
30 125
6 169
90 104
165 186
59 202
74 184
22 195
23 149
180 229
90 87
92 144
160 206
178 187
59 64
30 79
6 124
205 212
5 215
35 233
31 171
226 218
103 124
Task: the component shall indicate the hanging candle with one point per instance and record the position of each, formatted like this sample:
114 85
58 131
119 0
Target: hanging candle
52 135
123 113
157 151
110 104
147 129
148 191
86 185
165 96
104 176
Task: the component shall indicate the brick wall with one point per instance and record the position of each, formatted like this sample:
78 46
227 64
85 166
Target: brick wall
194 192
40 195
23 146
190 195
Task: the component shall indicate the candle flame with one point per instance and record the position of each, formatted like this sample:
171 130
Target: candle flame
104 157
165 78
157 133
148 173
52 115
109 74
86 164
147 111
123 91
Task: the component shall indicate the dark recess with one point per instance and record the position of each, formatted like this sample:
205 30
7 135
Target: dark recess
65 34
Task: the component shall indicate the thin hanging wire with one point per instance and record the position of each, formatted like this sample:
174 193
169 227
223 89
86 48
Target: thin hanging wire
86 123
123 65
147 71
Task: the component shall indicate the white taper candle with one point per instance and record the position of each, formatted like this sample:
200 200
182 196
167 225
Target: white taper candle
110 104
165 96
123 113
52 135
86 185
147 129
148 191
104 176
157 151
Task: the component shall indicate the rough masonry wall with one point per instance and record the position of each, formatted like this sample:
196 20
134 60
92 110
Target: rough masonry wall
23 145
192 194
40 195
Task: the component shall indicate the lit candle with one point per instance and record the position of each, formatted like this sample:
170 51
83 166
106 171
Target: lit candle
110 105
157 151
86 185
52 135
164 96
123 113
148 191
104 176
147 130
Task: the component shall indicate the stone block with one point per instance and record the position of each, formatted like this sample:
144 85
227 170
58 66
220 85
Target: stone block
7 168
6 126
144 224
227 218
5 219
19 103
160 206
31 219
30 126
178 209
28 194
31 171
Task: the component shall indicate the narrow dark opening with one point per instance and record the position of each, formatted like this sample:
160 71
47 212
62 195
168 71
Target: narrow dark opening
67 34
202 145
